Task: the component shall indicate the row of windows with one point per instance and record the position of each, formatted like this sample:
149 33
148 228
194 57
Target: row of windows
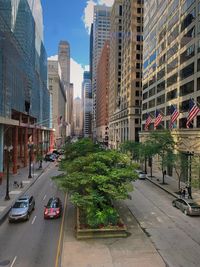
186 89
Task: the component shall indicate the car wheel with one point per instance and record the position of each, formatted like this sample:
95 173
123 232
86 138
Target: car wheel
185 212
28 216
174 204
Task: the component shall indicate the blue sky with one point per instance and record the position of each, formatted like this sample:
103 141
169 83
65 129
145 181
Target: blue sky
70 20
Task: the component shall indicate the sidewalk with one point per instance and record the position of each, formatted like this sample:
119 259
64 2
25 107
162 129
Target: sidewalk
133 251
171 185
15 192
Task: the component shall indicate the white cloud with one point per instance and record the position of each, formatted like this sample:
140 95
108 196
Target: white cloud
88 11
55 58
76 76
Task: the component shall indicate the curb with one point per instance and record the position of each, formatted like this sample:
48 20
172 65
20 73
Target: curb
163 188
7 209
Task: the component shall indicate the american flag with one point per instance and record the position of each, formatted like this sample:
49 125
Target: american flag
148 121
174 116
158 118
193 111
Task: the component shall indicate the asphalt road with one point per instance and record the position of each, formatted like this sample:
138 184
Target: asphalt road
175 235
33 243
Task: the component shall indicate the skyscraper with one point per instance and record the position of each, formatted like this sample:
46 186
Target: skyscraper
102 95
125 71
101 32
87 104
64 62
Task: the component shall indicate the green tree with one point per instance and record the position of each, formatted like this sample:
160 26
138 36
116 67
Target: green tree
80 148
94 181
163 144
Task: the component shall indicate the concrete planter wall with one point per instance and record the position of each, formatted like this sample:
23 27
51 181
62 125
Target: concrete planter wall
112 231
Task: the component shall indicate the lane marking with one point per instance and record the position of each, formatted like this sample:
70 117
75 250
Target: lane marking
13 262
33 220
44 197
61 233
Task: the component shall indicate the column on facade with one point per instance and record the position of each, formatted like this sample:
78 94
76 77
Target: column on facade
15 149
34 143
25 147
1 150
51 140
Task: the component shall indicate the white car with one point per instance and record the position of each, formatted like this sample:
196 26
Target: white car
141 174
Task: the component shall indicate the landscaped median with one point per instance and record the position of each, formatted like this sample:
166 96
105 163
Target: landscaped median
84 231
95 179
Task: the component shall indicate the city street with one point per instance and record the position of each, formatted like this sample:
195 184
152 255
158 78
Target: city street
175 235
34 242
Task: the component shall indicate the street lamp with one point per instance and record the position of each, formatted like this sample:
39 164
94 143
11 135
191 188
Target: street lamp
190 154
7 149
30 146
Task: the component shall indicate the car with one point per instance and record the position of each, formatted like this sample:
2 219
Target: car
141 174
53 209
187 206
22 209
50 157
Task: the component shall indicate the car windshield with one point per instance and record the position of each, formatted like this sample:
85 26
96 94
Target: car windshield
52 204
20 204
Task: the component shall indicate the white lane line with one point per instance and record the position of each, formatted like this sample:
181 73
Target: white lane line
13 262
44 197
33 220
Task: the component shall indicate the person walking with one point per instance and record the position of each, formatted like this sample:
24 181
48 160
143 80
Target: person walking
189 190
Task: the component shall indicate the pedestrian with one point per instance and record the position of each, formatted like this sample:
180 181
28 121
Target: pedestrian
189 190
183 192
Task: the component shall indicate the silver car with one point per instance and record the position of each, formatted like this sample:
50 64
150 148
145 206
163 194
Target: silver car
188 207
21 209
141 174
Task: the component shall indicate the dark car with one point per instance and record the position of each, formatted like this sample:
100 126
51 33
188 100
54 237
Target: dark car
53 209
187 206
21 209
50 157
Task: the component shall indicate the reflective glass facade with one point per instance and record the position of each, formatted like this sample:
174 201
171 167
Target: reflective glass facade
170 57
23 64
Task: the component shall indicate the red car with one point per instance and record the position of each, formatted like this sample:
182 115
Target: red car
53 209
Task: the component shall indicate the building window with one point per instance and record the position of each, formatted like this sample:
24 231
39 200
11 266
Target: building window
188 20
145 95
172 65
187 88
187 54
184 106
172 95
182 123
160 87
198 84
144 106
172 79
172 51
187 71
160 99
137 84
137 93
188 37
152 91
198 64
152 103
160 74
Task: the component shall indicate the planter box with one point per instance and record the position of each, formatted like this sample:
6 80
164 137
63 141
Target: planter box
112 231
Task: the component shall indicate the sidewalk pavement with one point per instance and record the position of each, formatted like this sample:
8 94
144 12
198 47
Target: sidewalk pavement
15 191
171 185
133 251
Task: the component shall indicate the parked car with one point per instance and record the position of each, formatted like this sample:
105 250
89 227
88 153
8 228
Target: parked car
22 209
50 157
53 209
141 174
187 206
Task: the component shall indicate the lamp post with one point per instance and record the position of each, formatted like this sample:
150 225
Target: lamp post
7 149
190 154
30 146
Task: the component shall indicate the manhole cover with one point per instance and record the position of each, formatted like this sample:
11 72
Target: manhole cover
4 263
